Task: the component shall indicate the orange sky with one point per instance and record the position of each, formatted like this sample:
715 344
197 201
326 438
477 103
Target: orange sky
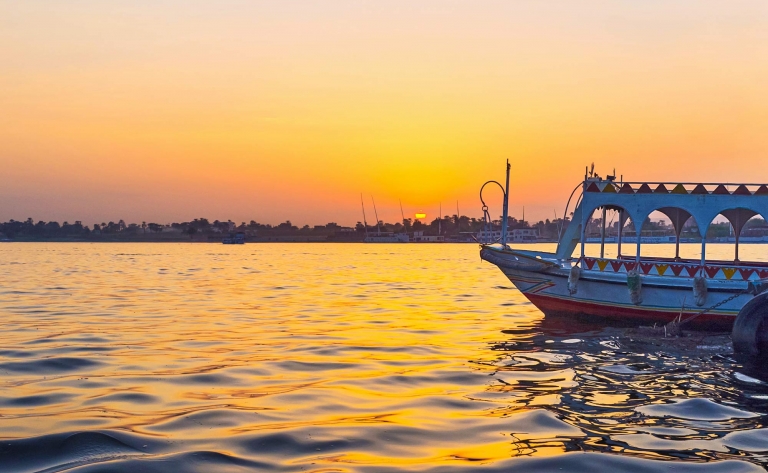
171 110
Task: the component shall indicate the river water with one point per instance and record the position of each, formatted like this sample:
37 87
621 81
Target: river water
339 357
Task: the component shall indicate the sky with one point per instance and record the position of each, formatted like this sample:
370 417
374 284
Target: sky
165 111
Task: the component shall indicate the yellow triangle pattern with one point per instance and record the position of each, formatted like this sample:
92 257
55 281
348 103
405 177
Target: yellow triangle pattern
661 269
729 272
602 263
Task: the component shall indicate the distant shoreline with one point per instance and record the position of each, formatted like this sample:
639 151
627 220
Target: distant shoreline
298 240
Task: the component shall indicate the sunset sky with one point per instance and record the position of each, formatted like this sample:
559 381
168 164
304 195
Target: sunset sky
273 110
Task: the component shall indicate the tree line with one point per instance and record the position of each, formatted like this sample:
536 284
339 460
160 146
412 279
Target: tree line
202 227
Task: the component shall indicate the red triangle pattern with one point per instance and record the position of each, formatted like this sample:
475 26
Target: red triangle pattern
593 188
692 269
646 267
746 273
676 268
616 265
589 262
711 271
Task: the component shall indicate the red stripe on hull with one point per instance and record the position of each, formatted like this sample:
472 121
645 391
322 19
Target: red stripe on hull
556 305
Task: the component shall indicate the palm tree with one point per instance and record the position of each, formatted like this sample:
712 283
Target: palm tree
144 226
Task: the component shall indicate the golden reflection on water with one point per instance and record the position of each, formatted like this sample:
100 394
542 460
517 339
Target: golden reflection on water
326 356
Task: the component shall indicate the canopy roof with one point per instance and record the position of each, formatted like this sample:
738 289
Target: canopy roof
678 201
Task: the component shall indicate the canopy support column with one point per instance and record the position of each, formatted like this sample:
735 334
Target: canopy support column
736 259
621 227
583 227
703 252
602 236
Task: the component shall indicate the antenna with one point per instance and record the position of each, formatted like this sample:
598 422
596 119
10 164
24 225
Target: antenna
364 222
458 219
376 214
402 214
440 220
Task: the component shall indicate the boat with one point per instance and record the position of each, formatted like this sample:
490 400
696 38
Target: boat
386 237
379 236
234 239
635 287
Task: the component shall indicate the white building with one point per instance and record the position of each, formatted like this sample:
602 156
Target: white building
516 235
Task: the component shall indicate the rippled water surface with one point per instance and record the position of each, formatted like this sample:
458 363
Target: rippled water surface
339 357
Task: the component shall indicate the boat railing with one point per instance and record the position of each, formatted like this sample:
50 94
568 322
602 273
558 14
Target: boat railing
683 269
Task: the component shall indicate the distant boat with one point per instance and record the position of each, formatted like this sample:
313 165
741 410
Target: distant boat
379 236
234 239
387 237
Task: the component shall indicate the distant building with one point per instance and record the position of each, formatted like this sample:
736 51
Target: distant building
420 237
515 235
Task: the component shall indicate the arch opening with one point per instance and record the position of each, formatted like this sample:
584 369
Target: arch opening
729 226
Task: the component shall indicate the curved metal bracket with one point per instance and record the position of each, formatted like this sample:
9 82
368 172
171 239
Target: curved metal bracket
483 187
486 215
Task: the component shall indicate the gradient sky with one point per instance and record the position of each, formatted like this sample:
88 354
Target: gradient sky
273 110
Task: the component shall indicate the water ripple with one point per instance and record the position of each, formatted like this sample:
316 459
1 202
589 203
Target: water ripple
277 357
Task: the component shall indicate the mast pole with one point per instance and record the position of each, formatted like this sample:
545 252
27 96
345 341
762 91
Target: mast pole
364 222
505 212
378 227
402 214
440 220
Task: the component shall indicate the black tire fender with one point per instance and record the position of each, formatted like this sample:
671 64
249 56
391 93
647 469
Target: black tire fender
750 331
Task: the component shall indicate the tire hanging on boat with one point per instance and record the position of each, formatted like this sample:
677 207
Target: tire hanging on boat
573 280
700 290
635 286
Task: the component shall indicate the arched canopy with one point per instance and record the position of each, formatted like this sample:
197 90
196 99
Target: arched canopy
738 218
640 200
677 216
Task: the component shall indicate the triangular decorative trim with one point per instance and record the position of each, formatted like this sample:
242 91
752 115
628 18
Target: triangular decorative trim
627 189
742 190
700 189
644 189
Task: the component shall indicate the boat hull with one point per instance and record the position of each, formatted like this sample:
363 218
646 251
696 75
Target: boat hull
607 295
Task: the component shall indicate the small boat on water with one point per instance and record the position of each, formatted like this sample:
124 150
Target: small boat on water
234 239
635 286
387 237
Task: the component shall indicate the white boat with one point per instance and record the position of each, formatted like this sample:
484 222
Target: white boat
632 286
386 237
234 239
